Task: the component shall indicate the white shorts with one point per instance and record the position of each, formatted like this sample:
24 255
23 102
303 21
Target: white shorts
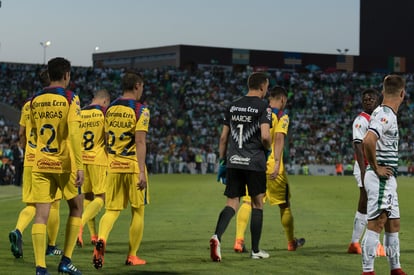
357 174
382 196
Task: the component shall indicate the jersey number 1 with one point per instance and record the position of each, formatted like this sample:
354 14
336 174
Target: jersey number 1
240 126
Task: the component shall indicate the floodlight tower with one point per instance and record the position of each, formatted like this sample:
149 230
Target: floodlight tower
342 52
45 45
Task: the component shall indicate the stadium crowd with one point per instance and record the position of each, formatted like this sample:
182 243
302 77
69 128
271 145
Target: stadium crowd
187 108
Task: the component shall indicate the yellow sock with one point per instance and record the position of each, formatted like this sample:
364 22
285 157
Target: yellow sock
136 230
242 220
107 222
286 219
53 223
90 211
92 227
39 243
86 202
72 230
85 206
25 217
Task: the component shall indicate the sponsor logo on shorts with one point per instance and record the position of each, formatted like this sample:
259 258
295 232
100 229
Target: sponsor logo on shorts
49 164
236 159
88 158
119 165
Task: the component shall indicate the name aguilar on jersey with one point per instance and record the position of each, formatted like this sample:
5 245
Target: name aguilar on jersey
120 124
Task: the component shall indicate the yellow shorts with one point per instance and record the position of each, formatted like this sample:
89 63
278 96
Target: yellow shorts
45 186
94 181
121 188
277 190
27 190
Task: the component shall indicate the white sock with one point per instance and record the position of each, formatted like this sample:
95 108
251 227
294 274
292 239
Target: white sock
369 248
360 222
392 248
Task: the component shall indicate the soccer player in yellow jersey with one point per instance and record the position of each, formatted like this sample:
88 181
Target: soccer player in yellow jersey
28 140
95 161
55 115
277 191
126 127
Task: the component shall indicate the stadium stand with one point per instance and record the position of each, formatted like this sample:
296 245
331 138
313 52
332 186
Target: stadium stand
187 107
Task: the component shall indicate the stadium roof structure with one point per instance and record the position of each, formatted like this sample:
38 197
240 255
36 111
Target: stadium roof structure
385 46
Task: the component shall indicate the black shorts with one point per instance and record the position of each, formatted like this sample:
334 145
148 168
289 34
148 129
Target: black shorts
237 179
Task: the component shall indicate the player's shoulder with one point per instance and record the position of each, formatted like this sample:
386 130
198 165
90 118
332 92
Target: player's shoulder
382 112
26 104
359 119
284 118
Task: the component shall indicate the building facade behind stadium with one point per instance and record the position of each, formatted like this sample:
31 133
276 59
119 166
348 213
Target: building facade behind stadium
385 46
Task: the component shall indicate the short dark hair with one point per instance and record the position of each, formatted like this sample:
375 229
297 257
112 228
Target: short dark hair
130 79
103 93
370 91
57 68
44 78
277 92
256 79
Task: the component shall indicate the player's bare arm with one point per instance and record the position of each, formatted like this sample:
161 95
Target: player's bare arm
79 178
277 153
223 141
140 141
359 154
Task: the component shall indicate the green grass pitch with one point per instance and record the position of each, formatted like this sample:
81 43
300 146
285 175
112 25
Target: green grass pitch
182 216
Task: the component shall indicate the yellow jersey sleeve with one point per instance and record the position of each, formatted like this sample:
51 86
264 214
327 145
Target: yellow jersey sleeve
282 125
143 121
30 147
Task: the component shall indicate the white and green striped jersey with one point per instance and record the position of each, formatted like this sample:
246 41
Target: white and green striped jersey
383 123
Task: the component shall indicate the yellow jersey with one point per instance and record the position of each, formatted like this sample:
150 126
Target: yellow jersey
123 118
52 109
280 124
93 132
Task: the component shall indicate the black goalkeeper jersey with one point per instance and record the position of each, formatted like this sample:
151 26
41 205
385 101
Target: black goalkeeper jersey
244 117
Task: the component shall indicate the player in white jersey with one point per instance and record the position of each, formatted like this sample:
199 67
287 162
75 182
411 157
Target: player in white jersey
370 101
381 150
